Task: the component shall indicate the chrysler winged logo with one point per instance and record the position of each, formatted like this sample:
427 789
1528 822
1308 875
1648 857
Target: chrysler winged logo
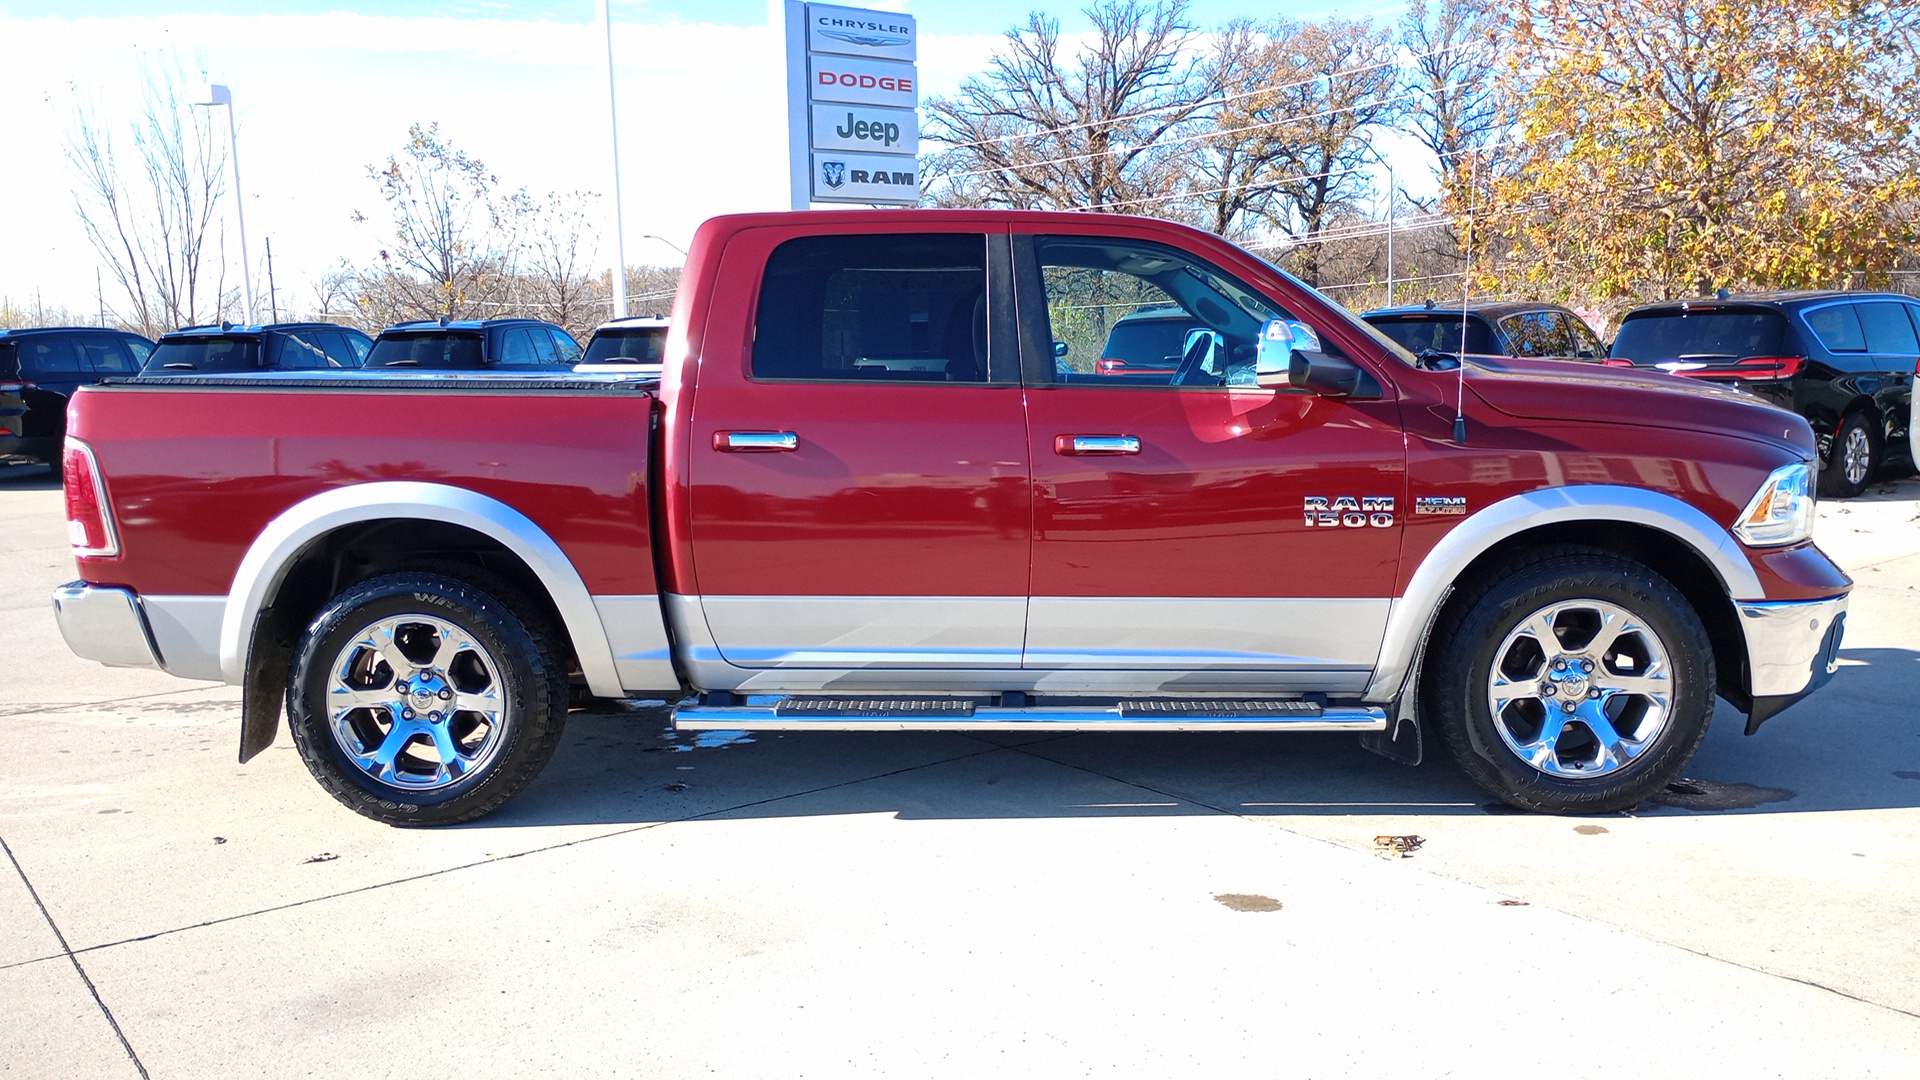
833 173
871 40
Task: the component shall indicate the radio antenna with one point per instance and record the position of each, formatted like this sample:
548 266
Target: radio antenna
1466 290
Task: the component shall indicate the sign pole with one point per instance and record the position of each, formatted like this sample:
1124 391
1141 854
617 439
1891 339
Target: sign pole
799 150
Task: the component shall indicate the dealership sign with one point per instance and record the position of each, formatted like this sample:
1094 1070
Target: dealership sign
853 96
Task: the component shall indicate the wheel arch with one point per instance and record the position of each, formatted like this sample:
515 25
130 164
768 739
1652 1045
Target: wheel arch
287 550
1672 537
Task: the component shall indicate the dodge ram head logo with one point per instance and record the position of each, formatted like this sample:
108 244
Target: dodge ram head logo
1349 512
833 173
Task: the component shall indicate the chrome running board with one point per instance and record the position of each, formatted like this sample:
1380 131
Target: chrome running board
965 714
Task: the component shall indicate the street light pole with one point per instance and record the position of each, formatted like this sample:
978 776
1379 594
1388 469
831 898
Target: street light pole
619 224
664 240
217 94
1388 165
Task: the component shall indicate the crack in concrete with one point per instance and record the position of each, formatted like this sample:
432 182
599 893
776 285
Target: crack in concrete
28 710
67 950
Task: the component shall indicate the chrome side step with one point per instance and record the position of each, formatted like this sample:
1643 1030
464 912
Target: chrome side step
962 714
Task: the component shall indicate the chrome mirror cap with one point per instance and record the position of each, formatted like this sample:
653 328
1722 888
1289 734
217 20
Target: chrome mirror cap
1273 356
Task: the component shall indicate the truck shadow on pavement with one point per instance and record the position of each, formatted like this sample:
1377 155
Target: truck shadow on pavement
1853 746
28 478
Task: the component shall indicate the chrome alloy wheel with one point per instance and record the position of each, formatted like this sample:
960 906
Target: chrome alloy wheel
1857 453
1580 688
415 702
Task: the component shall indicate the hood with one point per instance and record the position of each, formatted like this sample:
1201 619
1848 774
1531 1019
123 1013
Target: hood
1595 393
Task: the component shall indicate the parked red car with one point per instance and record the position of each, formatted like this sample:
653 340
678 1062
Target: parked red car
886 507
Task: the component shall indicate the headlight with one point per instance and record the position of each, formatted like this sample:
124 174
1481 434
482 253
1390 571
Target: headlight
1781 511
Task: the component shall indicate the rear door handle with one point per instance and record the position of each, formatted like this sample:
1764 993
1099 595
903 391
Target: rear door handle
1096 444
755 442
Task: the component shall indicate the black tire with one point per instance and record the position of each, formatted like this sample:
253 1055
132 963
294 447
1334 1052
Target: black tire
1854 458
1571 589
504 657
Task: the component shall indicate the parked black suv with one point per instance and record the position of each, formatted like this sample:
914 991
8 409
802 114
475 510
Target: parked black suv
41 367
1494 328
636 339
508 344
294 346
1843 360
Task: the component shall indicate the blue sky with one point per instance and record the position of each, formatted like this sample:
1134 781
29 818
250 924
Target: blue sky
325 88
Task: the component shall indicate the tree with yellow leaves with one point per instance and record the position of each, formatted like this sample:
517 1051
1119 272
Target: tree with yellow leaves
1668 147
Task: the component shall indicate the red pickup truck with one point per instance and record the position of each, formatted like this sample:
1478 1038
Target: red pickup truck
864 495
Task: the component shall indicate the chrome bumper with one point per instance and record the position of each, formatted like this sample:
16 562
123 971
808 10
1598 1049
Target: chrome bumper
1792 645
104 623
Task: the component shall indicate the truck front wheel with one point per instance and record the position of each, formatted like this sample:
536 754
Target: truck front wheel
422 699
1570 680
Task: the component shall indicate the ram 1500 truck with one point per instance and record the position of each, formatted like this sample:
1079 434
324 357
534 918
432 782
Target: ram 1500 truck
878 486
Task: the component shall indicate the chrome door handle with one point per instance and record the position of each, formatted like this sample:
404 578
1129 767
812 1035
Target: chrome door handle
755 441
1096 444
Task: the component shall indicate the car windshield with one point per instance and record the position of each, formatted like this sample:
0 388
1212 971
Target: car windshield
643 345
430 350
1436 331
1656 337
206 354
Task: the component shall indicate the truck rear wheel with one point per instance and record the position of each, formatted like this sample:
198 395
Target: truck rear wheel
422 699
1570 681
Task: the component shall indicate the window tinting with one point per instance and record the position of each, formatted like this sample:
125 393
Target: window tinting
1838 328
642 346
105 355
302 351
516 348
339 348
1660 336
206 354
893 308
1437 332
51 355
140 349
1887 328
1537 333
9 360
426 351
567 349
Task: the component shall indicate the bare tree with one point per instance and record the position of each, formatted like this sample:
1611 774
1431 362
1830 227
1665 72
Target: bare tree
156 226
1043 130
453 250
560 246
1292 147
1456 101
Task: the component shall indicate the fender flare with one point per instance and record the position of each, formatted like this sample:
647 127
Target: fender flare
1414 611
265 565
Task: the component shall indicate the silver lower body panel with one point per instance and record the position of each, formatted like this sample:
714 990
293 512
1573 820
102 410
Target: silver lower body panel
104 623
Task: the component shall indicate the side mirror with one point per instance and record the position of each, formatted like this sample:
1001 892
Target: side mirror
1276 366
1059 350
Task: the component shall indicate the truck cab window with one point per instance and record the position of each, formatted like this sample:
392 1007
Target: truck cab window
1132 313
892 308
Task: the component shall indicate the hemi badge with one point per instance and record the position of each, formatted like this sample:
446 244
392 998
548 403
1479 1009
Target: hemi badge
1439 504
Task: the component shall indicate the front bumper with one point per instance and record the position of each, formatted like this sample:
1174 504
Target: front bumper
1793 648
104 623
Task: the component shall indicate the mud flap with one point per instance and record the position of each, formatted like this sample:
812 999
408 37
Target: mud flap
266 685
1401 741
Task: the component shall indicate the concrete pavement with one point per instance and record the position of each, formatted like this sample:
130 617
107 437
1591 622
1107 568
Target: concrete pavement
941 904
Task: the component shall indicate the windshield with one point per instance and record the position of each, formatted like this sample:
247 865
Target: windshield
426 351
642 346
1337 308
206 354
1659 336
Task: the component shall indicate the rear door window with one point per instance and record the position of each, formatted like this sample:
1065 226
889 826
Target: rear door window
1537 333
45 356
303 351
543 345
566 350
1838 328
1716 334
891 308
339 349
1887 328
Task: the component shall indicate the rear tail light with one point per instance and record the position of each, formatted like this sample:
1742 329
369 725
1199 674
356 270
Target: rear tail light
1615 361
1751 367
89 519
